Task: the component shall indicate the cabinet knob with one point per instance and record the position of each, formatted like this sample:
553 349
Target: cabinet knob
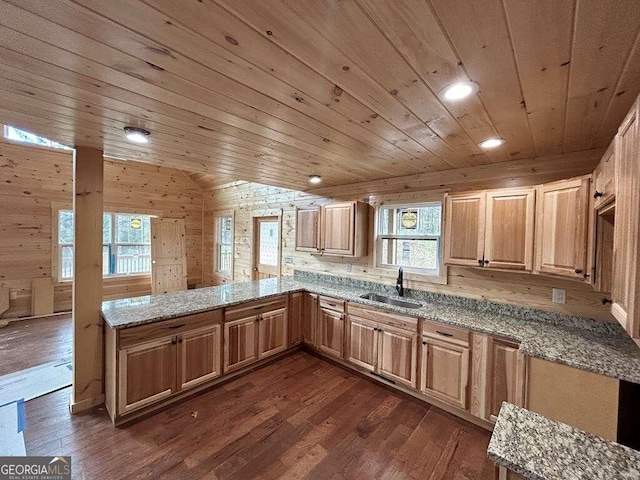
578 271
424 343
173 342
606 300
480 262
486 262
597 194
180 341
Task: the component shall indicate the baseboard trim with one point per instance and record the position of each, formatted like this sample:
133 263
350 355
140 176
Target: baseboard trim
83 405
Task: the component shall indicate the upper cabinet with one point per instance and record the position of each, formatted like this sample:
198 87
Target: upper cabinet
336 229
308 229
604 179
626 244
562 223
490 229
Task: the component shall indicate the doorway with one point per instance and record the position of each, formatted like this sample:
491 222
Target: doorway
266 247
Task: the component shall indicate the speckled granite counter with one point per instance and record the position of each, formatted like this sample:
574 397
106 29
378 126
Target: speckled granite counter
578 342
541 449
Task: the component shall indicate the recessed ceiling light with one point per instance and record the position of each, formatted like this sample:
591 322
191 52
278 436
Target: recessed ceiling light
135 134
315 178
491 143
458 91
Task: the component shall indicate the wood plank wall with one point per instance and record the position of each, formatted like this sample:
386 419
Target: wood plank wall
32 178
515 288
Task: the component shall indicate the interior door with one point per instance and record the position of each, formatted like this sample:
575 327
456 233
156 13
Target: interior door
168 255
266 247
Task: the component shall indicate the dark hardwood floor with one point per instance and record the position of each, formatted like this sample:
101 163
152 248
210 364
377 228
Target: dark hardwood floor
299 417
29 343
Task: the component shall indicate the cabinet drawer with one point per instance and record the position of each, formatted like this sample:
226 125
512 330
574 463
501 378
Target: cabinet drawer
331 303
254 308
447 333
399 321
166 328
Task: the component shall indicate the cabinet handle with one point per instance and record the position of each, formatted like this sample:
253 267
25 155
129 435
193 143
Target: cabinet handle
486 262
587 275
606 300
331 304
578 271
424 343
173 327
480 262
598 194
444 334
173 342
259 308
180 341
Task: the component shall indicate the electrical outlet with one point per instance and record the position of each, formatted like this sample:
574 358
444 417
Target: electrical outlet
559 295
13 295
348 268
288 260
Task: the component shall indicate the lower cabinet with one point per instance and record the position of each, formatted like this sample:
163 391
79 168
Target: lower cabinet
296 314
254 331
383 348
445 364
147 373
498 376
149 363
310 319
331 325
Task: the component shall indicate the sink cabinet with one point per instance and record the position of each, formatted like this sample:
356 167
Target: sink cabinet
384 344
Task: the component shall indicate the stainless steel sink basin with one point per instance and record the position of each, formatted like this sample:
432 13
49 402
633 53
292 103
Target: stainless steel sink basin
389 301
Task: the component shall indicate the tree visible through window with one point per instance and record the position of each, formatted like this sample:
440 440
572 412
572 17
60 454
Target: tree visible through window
126 244
409 236
13 133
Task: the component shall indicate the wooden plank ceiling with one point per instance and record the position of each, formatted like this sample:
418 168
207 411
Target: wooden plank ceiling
275 90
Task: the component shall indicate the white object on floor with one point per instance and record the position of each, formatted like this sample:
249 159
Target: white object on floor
11 429
36 381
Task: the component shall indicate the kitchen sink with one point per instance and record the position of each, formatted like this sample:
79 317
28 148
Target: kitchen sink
376 297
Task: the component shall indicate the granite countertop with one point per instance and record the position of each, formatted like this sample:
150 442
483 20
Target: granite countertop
581 343
542 449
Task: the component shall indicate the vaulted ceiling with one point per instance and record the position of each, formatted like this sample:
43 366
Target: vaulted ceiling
275 90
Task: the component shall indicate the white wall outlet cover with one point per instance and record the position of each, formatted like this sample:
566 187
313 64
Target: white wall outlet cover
348 268
13 295
559 296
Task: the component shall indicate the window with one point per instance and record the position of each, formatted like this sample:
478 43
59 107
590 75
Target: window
126 244
224 245
409 237
13 133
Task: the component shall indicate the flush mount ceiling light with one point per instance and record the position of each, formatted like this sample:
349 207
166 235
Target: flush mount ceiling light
491 143
135 134
315 178
458 91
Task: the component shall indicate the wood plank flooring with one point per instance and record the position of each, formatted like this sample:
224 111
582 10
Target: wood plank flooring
29 343
299 417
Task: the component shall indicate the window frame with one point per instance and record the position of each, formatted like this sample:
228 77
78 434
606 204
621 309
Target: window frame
217 245
56 264
440 272
49 145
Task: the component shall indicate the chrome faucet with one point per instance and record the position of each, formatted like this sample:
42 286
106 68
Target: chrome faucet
399 285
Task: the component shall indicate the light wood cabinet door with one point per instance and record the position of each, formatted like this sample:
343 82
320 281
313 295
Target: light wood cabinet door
506 377
199 356
331 332
310 319
240 343
338 223
626 244
296 314
398 355
604 178
445 371
147 373
464 229
363 343
562 225
509 229
308 229
272 335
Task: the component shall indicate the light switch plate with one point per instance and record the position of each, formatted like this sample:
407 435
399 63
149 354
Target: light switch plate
559 296
288 260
